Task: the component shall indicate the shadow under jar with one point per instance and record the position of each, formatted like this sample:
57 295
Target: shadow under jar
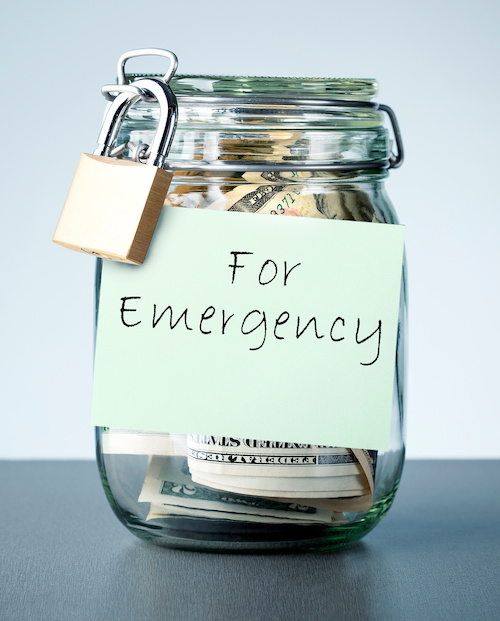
314 148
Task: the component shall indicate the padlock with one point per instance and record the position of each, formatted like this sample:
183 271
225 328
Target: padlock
113 205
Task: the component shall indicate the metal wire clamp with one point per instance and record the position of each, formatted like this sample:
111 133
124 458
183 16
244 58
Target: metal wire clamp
140 151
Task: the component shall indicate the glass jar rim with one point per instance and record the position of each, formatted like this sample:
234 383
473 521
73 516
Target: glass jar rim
347 89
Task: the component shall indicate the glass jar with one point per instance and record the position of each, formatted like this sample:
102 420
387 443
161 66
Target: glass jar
301 147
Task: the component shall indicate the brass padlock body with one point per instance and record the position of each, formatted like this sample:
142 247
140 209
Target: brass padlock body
113 205
112 208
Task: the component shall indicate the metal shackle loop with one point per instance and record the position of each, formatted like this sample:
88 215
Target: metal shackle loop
118 108
167 121
111 123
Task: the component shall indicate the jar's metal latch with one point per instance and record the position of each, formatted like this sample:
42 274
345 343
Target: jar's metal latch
395 159
140 152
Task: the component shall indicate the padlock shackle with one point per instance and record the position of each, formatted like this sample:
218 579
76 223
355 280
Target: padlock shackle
117 109
112 120
166 123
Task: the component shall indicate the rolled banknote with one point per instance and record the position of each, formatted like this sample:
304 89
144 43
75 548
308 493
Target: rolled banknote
314 487
279 469
367 460
137 442
333 490
248 457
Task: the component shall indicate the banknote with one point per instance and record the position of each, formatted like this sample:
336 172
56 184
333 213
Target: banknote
346 504
269 145
284 494
197 196
161 511
244 457
138 442
236 444
170 489
273 198
322 486
280 469
275 176
282 193
346 203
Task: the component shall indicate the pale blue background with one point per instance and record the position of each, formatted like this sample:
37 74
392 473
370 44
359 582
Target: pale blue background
437 63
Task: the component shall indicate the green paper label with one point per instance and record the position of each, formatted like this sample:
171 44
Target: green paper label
257 327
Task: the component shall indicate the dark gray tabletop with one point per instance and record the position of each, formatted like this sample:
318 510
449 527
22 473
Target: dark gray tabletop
64 555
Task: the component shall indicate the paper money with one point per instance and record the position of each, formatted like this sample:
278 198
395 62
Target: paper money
162 511
241 456
224 483
314 487
195 196
279 469
346 203
270 146
136 442
276 193
274 176
347 504
171 491
275 199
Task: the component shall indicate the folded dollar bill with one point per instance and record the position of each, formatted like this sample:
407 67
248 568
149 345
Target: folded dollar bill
170 490
136 442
